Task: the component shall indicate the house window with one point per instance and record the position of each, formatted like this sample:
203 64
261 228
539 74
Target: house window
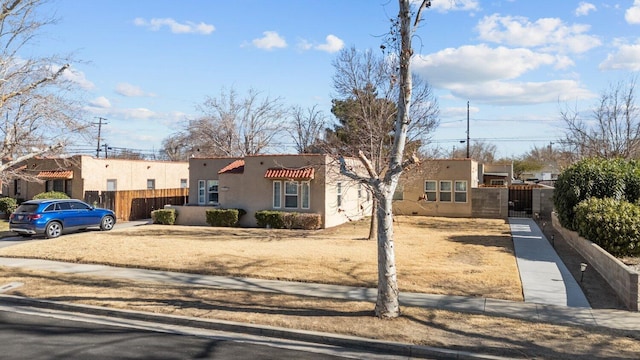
17 187
290 194
339 194
112 184
430 190
496 182
445 191
55 185
277 193
461 192
201 192
184 183
305 190
212 191
151 184
359 191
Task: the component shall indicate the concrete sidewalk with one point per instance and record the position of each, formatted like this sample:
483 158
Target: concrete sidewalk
545 278
615 319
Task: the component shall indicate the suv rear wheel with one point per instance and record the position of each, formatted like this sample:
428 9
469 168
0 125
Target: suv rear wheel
53 230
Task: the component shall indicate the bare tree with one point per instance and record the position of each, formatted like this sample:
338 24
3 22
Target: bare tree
612 130
230 126
39 115
384 183
480 151
307 127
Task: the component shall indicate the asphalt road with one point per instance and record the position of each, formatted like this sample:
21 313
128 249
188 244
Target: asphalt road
27 336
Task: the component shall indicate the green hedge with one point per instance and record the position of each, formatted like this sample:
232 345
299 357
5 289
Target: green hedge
8 205
600 178
612 224
51 195
224 217
164 216
288 220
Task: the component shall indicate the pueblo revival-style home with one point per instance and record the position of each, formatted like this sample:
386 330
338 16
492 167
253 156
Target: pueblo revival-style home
78 174
308 183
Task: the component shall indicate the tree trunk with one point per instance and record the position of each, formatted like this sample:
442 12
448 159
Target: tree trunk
373 226
387 304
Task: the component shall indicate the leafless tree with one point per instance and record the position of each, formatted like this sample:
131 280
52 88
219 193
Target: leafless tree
230 125
612 130
37 107
480 151
383 184
306 128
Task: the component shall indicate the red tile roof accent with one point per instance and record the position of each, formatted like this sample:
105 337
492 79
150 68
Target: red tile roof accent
296 174
55 174
236 167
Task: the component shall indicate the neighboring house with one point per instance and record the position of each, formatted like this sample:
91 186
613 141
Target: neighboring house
308 183
75 175
547 173
464 188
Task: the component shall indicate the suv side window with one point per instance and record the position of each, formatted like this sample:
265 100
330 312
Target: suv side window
64 206
79 206
51 207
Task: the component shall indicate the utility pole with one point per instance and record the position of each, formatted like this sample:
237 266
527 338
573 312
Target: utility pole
467 129
106 147
101 121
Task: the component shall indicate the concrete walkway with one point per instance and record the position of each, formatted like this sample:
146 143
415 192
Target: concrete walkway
545 278
616 319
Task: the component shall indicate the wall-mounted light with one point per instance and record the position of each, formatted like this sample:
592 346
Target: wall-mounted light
224 188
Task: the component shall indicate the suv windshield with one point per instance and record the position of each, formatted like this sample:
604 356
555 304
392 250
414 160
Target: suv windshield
27 208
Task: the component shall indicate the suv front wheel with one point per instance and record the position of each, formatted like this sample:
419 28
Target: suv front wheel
53 230
107 223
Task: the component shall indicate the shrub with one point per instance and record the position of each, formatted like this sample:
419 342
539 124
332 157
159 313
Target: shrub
51 195
224 217
164 216
8 205
612 224
288 220
598 178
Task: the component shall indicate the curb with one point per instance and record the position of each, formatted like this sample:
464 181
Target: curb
353 342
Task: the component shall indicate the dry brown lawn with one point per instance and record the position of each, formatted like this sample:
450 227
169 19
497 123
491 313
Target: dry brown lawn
471 257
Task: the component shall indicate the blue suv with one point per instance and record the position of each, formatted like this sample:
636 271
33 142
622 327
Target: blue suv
52 217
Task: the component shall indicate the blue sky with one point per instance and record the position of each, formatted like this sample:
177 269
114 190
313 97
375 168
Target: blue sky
146 64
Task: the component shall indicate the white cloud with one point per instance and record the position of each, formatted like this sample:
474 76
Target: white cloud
129 90
270 40
632 15
548 34
626 58
79 78
175 27
100 102
522 93
480 63
584 8
451 5
304 45
333 44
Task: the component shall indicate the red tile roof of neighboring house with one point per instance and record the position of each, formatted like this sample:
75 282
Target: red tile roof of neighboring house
236 167
279 173
55 174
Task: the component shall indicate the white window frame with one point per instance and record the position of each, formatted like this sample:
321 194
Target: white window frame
277 194
457 192
151 184
447 192
305 195
291 185
184 183
339 194
202 192
213 188
112 185
431 192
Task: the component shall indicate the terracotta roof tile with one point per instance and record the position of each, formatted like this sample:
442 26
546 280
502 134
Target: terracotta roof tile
236 167
55 174
296 174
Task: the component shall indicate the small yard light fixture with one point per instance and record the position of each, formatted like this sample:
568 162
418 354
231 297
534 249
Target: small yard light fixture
583 267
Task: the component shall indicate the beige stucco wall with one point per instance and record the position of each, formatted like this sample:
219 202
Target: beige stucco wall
91 174
413 181
252 192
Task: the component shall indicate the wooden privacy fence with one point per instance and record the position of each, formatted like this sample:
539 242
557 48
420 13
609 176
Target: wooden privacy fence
136 204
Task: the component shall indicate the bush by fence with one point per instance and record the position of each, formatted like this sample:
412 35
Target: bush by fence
224 217
288 220
164 216
8 205
611 224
